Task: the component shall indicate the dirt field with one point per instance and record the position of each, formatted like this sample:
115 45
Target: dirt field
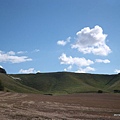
16 106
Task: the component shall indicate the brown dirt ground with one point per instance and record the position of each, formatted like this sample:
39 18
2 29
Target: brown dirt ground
84 106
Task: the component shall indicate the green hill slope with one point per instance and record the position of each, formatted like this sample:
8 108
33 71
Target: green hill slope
14 85
65 82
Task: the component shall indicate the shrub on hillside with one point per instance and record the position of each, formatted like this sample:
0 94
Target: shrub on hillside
116 91
1 86
100 91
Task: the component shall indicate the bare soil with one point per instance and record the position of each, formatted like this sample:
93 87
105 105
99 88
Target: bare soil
84 106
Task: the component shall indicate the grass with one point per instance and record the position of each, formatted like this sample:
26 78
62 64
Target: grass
60 82
15 86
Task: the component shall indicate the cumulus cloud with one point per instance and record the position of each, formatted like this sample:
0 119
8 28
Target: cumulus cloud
64 42
85 70
74 61
11 57
30 70
92 41
79 62
102 61
117 70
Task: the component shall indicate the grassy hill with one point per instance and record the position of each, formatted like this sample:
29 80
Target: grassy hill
60 82
14 85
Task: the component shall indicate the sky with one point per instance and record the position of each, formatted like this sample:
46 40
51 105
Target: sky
81 36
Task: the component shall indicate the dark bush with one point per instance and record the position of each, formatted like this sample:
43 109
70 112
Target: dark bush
116 91
49 94
1 86
7 91
100 91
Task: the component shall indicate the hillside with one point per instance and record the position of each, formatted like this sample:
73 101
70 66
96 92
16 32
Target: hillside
60 82
14 85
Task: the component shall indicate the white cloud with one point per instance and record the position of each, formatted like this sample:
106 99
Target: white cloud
80 62
36 50
85 70
102 61
68 68
21 52
11 53
117 71
62 42
68 39
92 41
38 71
30 70
11 57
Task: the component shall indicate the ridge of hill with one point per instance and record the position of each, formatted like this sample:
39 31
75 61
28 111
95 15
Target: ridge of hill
60 82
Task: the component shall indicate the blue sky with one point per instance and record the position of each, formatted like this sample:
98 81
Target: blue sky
60 35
